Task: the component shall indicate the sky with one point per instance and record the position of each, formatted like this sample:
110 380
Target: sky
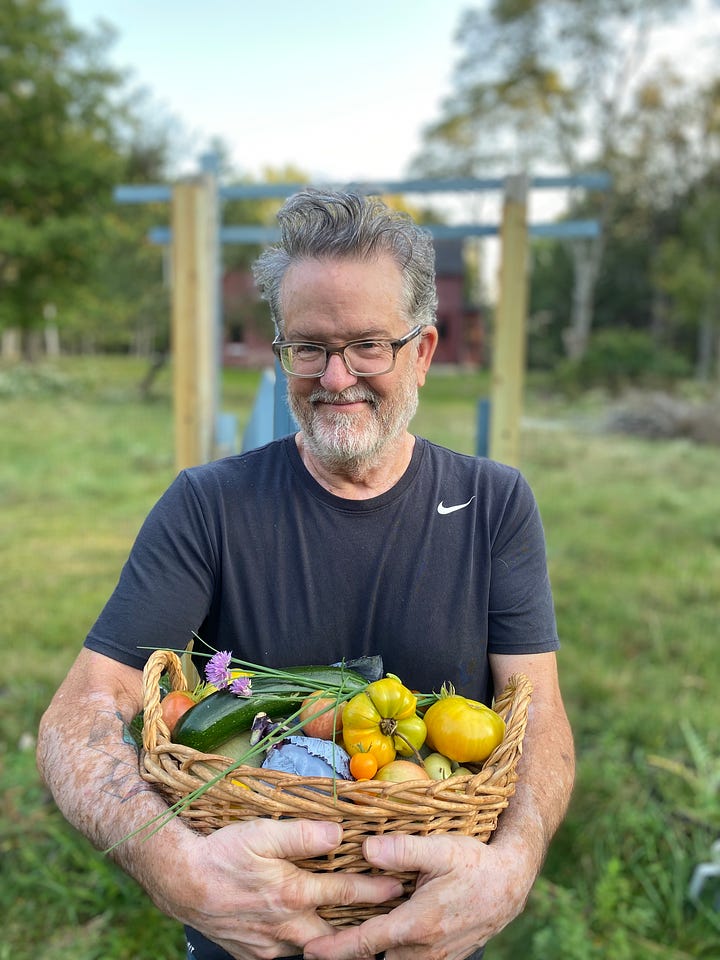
340 90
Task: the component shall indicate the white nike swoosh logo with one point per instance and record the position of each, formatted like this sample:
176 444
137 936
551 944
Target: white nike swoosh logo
443 510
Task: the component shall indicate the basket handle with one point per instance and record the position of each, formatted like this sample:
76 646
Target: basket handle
160 661
512 704
516 694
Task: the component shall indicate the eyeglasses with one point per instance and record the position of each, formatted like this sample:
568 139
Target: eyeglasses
363 358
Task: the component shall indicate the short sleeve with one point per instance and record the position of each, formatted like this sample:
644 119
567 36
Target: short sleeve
521 615
166 586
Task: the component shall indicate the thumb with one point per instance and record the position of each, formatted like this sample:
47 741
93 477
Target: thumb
297 839
285 839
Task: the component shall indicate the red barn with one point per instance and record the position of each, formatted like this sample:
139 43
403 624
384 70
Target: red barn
461 341
460 327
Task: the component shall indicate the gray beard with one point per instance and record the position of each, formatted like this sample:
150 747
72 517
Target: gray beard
337 442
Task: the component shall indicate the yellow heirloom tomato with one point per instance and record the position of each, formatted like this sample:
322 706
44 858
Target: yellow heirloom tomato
464 730
382 720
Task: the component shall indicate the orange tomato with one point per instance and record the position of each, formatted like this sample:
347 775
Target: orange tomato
173 705
363 766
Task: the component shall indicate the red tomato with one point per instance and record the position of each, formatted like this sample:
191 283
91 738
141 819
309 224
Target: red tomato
173 705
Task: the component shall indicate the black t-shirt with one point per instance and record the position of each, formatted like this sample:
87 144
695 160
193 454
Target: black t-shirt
257 558
252 554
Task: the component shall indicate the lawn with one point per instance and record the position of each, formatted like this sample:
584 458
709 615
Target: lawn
633 533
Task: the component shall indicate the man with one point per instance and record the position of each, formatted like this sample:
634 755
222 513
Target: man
353 537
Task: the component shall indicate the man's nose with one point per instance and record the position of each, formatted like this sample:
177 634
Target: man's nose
337 376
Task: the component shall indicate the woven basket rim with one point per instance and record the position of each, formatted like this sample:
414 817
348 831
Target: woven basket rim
160 751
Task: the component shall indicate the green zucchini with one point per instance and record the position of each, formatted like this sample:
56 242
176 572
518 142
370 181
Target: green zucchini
222 715
238 747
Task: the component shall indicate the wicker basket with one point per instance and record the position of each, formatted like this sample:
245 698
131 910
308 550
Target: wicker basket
465 805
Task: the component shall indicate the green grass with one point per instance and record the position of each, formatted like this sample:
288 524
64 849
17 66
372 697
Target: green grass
633 531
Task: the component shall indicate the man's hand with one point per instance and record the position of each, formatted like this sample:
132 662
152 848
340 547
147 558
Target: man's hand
467 892
239 888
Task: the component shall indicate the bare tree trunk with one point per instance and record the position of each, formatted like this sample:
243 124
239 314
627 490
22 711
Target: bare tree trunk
32 345
586 256
51 336
146 384
10 344
706 344
658 318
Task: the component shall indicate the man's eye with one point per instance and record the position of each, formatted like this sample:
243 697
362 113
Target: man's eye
307 351
369 347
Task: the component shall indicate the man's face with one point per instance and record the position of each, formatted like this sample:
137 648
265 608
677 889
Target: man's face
348 420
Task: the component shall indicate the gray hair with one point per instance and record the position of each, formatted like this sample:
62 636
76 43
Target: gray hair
322 225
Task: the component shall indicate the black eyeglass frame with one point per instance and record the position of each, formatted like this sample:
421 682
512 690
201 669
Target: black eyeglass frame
396 345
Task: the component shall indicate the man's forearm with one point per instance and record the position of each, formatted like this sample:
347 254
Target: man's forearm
90 764
545 779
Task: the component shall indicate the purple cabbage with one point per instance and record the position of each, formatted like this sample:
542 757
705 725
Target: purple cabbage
309 757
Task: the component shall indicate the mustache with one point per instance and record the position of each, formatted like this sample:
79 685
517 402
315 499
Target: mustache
354 394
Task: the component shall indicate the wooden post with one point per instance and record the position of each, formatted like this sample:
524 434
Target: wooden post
508 366
194 246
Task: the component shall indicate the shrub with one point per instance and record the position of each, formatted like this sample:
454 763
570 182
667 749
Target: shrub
619 358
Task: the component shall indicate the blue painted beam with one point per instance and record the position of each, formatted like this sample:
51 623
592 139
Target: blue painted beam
259 429
270 417
587 181
162 236
563 229
560 229
283 420
249 234
482 446
160 193
139 193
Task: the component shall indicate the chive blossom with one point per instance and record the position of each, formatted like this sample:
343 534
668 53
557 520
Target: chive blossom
217 669
241 687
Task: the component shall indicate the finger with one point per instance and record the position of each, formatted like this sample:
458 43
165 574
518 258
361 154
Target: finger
405 853
342 889
283 839
369 939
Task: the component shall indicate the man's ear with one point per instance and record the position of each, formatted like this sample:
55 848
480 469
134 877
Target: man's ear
426 349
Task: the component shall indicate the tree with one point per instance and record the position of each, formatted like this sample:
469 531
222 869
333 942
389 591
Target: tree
60 156
123 301
549 81
688 270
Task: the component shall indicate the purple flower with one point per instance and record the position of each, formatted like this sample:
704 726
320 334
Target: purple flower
218 673
241 687
217 669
